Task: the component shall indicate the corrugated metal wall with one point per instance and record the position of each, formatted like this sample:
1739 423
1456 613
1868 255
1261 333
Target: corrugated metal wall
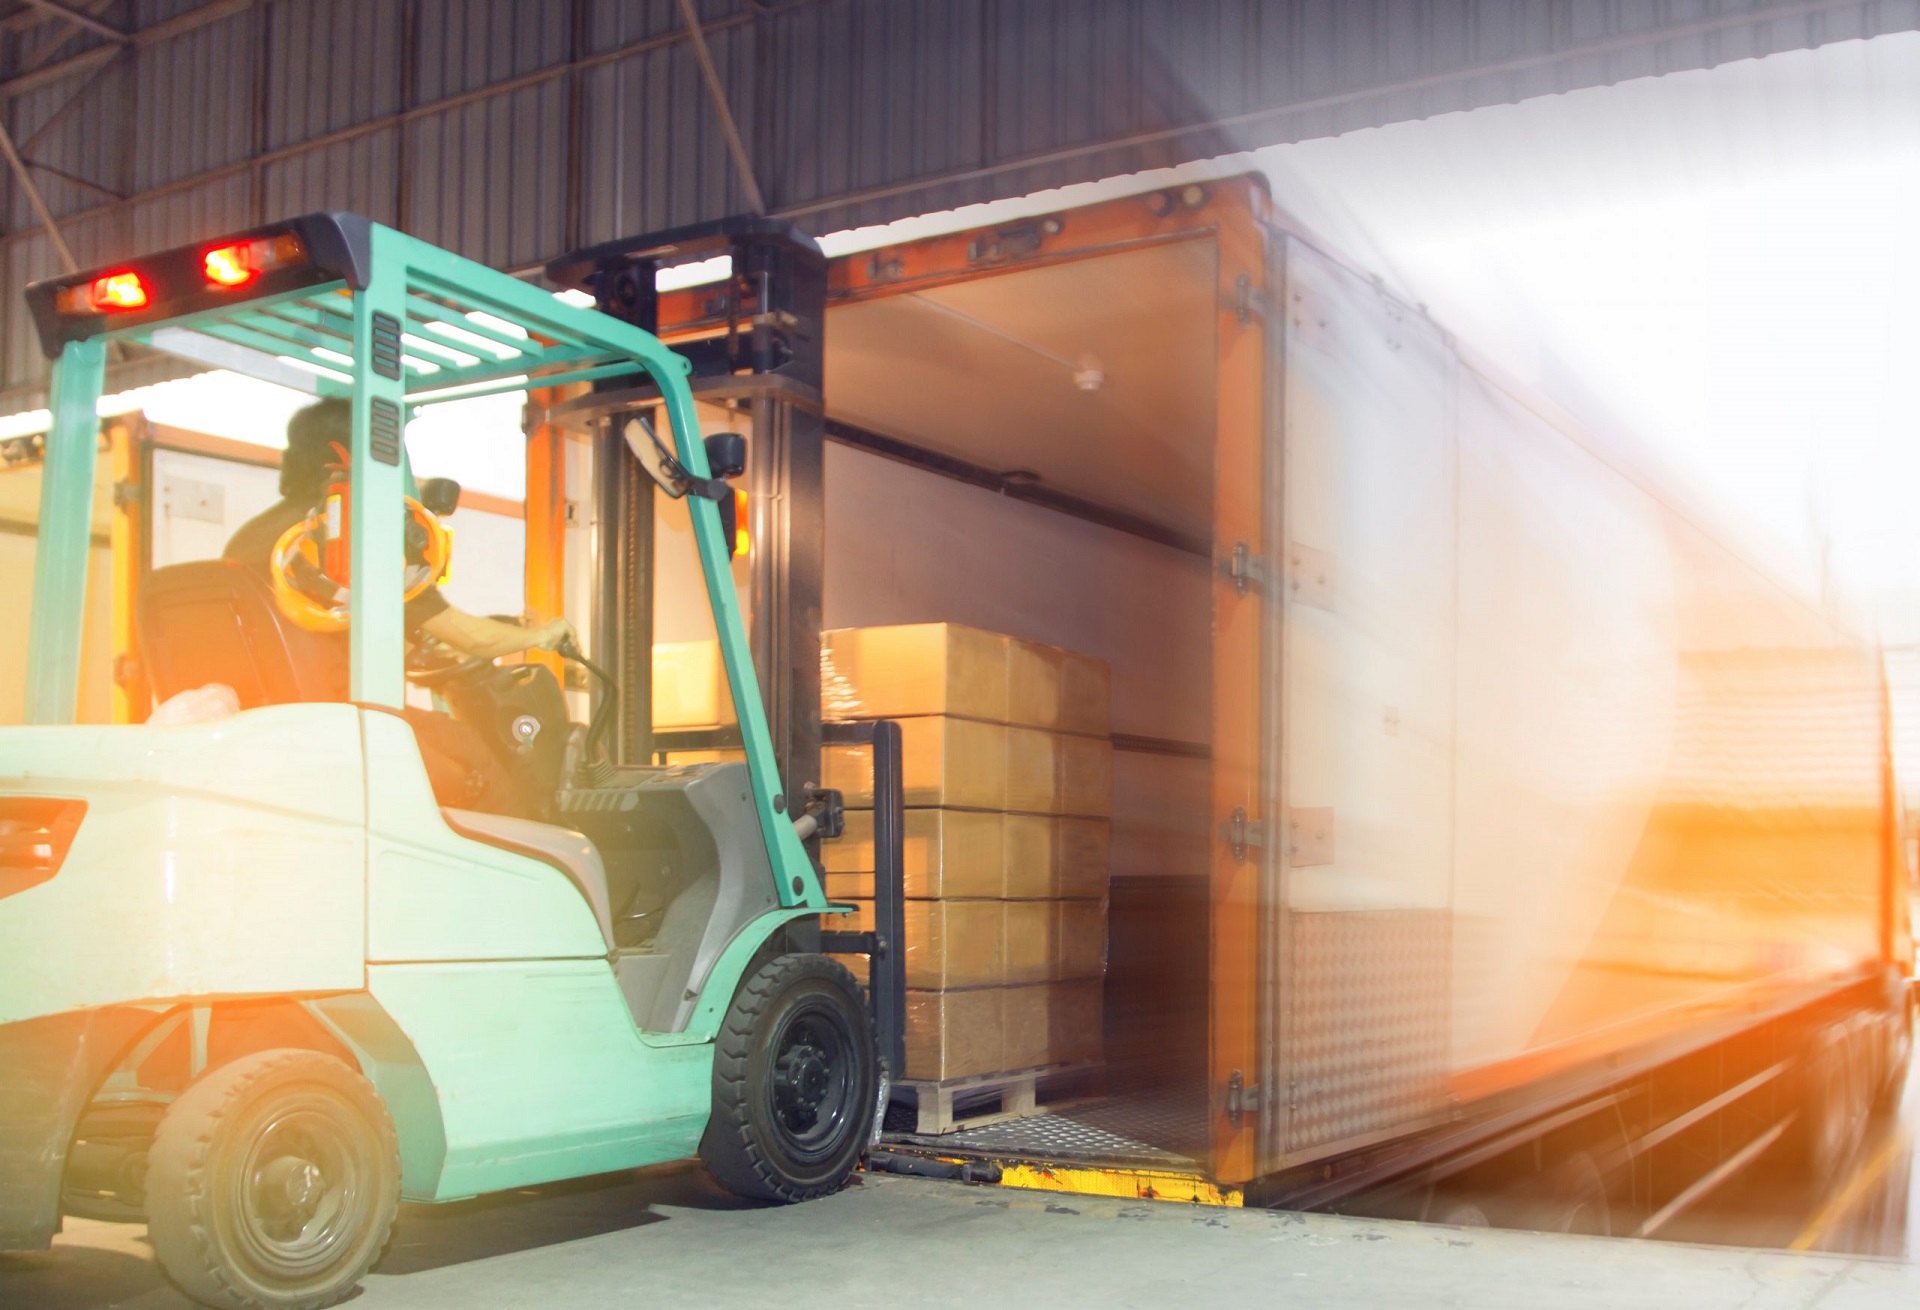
511 130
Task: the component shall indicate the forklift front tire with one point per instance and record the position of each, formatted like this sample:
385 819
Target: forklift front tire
795 1077
273 1183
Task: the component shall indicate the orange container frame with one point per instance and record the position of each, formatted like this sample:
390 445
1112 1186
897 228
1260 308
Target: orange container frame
1630 987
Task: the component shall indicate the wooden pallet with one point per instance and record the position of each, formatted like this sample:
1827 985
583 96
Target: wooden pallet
960 1103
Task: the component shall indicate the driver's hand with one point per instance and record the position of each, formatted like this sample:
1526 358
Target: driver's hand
553 633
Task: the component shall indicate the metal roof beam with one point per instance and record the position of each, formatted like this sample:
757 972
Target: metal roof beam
78 18
87 60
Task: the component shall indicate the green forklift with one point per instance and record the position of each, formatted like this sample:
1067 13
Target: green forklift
257 985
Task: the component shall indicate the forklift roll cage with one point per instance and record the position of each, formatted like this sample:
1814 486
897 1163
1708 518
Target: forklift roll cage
337 305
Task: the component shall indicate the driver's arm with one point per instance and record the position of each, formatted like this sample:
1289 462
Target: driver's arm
485 639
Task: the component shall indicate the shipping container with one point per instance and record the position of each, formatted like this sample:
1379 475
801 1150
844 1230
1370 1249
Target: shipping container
1484 817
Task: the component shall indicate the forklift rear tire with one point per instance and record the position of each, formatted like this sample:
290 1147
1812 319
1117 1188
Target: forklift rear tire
795 1076
273 1183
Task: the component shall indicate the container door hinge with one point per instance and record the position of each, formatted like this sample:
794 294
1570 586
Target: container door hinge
1249 301
1309 836
1244 569
1243 1098
1310 576
1242 834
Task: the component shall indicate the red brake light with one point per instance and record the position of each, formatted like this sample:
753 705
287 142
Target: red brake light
35 832
110 293
237 264
229 266
120 291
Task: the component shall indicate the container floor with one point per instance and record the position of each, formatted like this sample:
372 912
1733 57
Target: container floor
1163 1128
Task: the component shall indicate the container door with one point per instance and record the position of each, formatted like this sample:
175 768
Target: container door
1245 334
1359 853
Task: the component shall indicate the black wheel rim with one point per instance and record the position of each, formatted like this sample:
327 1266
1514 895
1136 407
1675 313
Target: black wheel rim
301 1193
813 1081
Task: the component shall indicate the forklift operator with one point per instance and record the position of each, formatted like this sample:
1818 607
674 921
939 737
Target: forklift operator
465 773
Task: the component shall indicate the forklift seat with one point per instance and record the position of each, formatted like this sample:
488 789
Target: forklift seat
215 621
561 848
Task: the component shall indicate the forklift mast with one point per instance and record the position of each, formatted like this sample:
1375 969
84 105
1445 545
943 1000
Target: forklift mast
768 361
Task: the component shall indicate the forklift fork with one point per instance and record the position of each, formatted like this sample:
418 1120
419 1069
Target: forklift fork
885 946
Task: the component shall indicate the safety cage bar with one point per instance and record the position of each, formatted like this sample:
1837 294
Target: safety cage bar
276 304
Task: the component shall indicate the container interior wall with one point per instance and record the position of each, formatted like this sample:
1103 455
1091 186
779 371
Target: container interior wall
906 546
982 371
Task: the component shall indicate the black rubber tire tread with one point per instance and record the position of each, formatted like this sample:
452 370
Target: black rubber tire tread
178 1224
733 1148
1820 1140
1576 1198
1893 1079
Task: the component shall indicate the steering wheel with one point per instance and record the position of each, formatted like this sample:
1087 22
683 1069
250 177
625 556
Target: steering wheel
428 669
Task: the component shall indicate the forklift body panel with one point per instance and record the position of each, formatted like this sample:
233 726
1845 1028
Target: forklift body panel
290 864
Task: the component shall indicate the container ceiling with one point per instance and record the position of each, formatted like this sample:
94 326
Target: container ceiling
985 371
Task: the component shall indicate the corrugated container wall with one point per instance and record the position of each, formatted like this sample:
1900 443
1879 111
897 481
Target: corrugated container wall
512 130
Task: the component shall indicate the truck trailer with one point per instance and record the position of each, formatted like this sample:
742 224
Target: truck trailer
1494 838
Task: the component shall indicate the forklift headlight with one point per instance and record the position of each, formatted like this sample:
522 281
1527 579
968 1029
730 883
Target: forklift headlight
35 832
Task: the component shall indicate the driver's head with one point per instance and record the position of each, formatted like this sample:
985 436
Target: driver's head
306 467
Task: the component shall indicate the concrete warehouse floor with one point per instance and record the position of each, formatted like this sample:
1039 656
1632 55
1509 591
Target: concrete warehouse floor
670 1238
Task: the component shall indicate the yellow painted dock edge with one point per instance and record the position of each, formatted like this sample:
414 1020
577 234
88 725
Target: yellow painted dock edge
1128 1184
1117 1181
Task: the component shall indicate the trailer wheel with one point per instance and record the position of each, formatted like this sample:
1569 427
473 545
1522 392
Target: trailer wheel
795 1076
1899 1052
1822 1135
1574 1199
273 1183
1461 1211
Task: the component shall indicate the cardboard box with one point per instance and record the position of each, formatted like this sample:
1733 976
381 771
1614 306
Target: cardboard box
1053 1023
1050 857
1059 690
956 1034
949 943
1083 858
1052 773
1033 684
690 688
913 670
1030 952
1076 1020
1085 782
957 763
1086 695
959 853
1031 857
1033 771
1079 939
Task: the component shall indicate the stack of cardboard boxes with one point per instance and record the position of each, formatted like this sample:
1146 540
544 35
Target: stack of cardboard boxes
1008 773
